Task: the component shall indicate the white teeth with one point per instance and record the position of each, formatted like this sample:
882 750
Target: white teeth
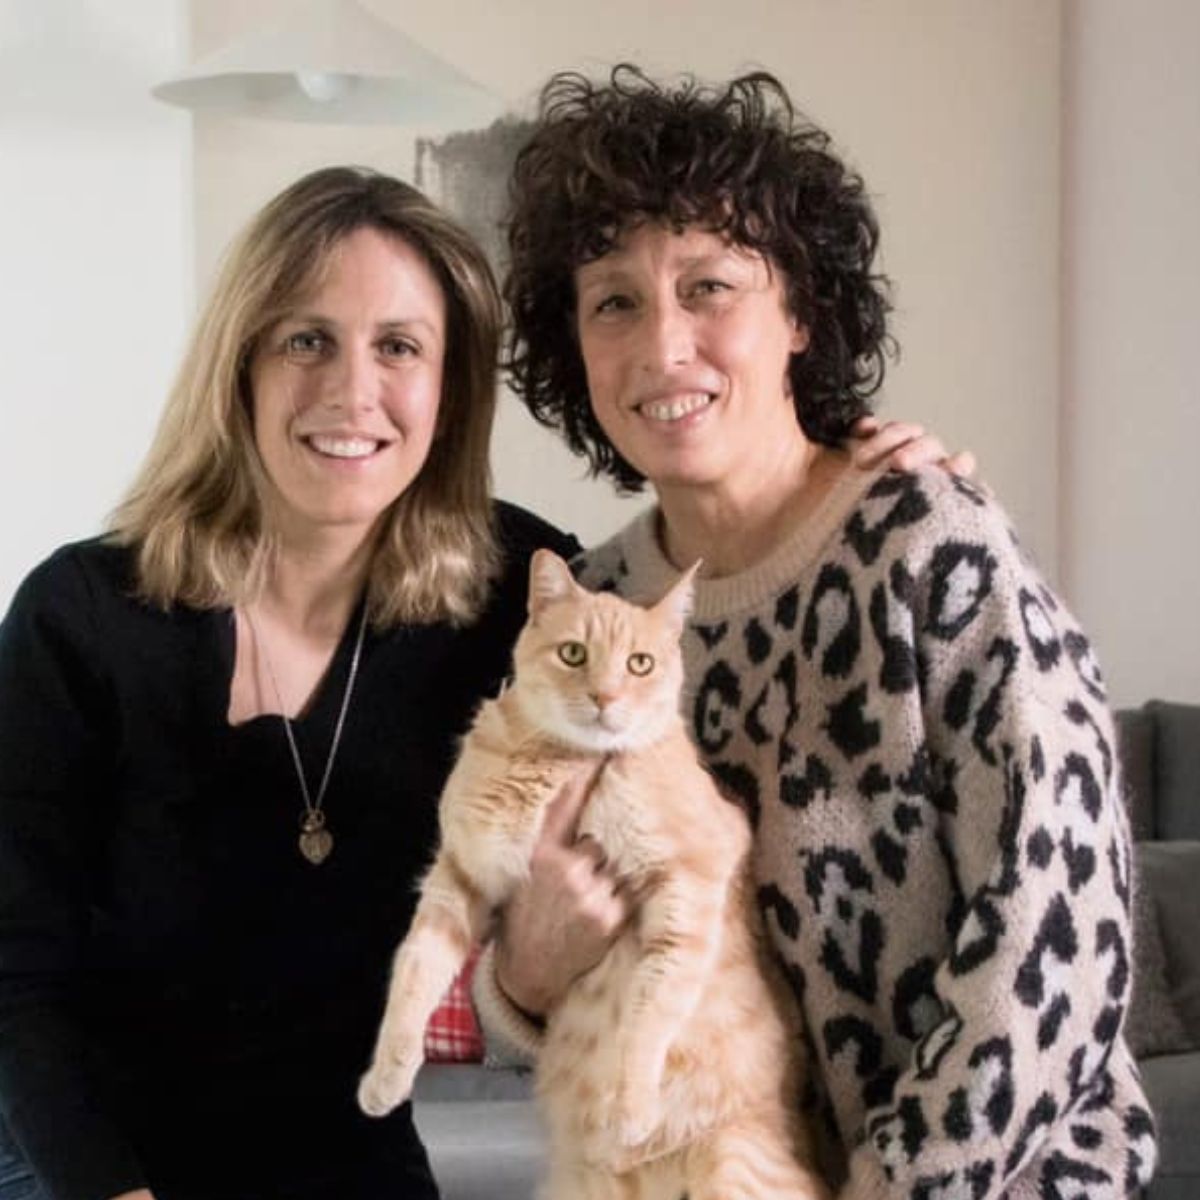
672 410
337 447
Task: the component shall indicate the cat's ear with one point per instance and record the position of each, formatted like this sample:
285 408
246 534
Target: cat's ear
677 603
550 579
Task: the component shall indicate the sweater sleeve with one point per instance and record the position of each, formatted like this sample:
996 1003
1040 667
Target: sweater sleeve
510 1038
1022 770
54 716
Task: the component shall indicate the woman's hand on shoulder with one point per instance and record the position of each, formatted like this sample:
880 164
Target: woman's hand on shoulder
905 446
562 921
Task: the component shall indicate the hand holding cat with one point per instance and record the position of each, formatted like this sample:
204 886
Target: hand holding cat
560 923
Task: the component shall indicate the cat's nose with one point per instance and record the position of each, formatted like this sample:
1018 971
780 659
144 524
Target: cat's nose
602 699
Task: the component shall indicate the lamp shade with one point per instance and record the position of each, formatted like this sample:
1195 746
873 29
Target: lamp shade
333 62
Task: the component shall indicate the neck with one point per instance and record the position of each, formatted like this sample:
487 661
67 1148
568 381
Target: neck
314 583
733 527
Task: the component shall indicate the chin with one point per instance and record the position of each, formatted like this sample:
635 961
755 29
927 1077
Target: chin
597 739
348 519
678 473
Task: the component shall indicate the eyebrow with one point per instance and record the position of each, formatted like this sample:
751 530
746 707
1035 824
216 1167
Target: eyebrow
604 269
391 324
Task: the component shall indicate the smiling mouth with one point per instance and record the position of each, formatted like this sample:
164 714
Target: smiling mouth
343 447
675 409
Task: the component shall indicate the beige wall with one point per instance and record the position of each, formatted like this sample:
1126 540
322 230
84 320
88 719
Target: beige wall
1131 488
949 108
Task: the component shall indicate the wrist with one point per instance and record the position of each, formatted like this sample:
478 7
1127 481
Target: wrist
509 1036
530 1004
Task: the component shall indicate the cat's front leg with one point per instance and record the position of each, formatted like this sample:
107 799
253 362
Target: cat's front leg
389 1081
679 931
448 920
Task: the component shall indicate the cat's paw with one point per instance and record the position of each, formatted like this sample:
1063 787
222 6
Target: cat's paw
389 1081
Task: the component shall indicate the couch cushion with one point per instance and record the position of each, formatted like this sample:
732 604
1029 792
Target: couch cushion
1152 1025
1173 1088
1169 873
481 1129
471 1082
482 1149
1176 769
1135 737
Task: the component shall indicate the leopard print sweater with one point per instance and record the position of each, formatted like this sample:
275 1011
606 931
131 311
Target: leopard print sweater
918 731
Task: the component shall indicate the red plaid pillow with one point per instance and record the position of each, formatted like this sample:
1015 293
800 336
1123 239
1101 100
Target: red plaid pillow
452 1034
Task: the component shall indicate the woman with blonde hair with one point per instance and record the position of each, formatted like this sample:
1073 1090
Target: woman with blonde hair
224 727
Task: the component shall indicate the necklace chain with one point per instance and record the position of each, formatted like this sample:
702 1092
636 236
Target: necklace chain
315 840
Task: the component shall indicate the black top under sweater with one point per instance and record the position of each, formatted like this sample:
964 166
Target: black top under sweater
185 1002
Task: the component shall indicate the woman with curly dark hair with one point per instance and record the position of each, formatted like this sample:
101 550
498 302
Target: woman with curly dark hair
748 170
912 721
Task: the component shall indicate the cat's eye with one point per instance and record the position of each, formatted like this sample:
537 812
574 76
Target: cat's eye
640 664
574 654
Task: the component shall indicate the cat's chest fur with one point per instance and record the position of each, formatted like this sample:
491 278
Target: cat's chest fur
656 812
620 820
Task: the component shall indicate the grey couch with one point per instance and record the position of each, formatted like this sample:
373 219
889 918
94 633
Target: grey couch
482 1131
1160 748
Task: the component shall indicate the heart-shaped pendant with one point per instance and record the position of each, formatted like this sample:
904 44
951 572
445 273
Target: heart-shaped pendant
315 840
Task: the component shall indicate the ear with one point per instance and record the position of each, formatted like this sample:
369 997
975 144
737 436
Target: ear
550 579
800 337
677 603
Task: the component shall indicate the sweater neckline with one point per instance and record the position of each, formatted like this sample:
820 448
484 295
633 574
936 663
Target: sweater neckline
716 599
319 711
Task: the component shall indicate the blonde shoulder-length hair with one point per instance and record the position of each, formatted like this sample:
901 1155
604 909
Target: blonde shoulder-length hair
195 514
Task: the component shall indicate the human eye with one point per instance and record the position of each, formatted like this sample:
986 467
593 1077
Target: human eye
612 302
713 286
394 346
306 344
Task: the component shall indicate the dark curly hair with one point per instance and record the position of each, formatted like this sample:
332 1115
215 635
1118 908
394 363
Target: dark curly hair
738 160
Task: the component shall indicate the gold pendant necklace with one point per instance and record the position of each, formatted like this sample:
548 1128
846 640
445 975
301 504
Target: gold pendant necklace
316 841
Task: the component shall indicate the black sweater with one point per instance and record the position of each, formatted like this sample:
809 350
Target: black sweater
185 1003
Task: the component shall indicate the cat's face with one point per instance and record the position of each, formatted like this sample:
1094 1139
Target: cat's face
593 670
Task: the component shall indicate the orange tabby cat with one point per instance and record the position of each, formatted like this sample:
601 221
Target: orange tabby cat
669 1067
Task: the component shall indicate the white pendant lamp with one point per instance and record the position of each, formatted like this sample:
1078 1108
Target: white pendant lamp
332 61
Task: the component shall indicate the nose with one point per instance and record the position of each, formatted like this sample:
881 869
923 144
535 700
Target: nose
668 335
354 383
602 697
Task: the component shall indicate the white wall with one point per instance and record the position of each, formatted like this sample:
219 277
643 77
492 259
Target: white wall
94 258
950 109
1131 487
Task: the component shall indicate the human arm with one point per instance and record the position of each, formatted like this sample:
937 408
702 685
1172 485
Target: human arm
54 718
1022 778
903 445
